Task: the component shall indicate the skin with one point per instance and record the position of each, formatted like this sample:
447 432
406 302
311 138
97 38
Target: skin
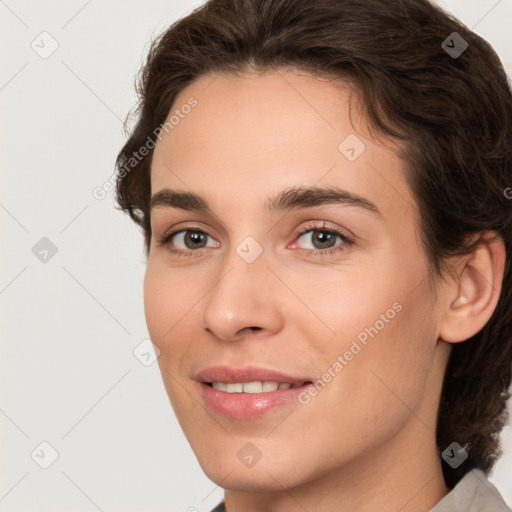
366 442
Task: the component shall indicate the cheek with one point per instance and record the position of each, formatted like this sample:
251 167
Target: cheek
370 399
156 304
384 329
168 303
360 303
390 372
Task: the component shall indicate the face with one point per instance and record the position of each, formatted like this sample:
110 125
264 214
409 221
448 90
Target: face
281 285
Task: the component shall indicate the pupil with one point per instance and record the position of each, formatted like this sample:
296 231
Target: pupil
322 234
195 237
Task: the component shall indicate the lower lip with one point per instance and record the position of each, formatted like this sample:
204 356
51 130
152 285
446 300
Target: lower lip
247 405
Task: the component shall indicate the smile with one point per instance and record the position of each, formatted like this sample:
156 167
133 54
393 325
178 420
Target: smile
253 387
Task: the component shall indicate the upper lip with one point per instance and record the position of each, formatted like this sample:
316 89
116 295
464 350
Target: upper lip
246 374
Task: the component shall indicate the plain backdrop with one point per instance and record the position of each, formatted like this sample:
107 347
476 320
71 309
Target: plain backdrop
72 267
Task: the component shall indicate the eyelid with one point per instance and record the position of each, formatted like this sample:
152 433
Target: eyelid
191 226
327 226
196 226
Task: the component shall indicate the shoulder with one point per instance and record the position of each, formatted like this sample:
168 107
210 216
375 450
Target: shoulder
473 493
219 508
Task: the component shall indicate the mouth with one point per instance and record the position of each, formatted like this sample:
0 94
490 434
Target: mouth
248 392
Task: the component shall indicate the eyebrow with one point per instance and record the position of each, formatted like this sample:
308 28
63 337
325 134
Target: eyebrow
293 198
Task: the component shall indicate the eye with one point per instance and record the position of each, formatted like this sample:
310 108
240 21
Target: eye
193 241
324 240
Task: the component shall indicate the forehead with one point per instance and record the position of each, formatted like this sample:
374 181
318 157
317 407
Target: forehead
250 136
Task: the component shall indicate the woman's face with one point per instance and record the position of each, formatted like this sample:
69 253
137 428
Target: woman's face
351 312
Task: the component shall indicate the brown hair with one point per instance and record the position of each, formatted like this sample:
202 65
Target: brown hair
452 112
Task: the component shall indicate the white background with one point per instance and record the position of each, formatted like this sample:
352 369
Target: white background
69 326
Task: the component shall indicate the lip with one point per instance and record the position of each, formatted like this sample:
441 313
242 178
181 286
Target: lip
246 405
246 374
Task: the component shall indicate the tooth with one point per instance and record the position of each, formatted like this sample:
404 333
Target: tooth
252 387
234 388
221 386
270 385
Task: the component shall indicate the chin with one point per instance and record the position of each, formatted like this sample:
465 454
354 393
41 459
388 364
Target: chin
272 474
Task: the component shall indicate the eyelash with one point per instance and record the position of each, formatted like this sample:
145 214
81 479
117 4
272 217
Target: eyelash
348 241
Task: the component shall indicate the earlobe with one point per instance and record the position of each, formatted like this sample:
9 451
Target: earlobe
472 297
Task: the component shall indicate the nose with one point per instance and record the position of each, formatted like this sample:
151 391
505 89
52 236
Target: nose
245 298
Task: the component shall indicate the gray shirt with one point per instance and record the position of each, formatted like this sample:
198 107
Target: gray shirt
474 493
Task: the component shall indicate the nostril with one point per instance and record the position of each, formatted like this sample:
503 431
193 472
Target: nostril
252 329
245 330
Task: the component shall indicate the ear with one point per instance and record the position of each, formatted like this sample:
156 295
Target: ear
471 296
